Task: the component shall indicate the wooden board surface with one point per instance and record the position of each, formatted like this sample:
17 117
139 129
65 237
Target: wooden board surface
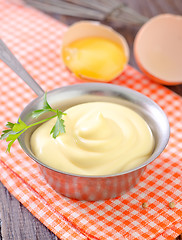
17 223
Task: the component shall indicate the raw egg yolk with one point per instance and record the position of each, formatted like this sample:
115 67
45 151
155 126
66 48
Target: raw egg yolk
95 58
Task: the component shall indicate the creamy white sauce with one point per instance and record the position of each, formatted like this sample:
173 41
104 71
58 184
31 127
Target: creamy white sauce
101 138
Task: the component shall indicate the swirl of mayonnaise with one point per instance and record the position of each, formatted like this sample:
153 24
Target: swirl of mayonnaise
101 138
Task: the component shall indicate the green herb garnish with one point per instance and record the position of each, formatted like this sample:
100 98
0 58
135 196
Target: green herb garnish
16 129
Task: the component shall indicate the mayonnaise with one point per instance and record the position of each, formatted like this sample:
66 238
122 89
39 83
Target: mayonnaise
101 138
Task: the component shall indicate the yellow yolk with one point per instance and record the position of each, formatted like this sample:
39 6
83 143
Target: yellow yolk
95 58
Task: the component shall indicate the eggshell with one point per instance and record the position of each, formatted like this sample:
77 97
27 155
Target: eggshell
85 29
158 49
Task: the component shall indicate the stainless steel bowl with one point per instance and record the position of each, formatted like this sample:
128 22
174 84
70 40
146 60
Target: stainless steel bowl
94 188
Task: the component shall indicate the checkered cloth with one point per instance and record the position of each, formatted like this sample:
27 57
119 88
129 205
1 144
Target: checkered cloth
36 41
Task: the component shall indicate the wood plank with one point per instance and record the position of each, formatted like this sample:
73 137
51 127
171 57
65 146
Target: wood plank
18 223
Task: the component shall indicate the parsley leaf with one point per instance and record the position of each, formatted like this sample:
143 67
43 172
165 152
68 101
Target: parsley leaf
6 133
9 125
19 126
59 126
37 113
16 129
46 104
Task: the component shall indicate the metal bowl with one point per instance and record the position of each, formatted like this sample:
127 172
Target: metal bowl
94 188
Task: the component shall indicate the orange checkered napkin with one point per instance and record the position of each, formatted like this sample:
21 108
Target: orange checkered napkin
36 40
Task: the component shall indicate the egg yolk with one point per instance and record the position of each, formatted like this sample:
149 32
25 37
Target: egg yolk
95 58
